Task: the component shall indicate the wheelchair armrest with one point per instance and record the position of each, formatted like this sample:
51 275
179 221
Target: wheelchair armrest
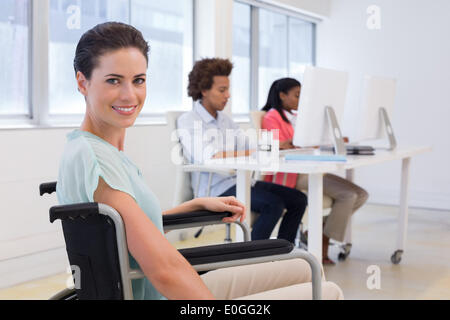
48 187
258 251
73 211
171 221
236 251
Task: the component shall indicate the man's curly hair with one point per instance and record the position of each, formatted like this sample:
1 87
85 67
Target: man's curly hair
202 75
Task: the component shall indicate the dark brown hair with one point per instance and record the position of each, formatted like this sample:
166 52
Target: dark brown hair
103 38
202 75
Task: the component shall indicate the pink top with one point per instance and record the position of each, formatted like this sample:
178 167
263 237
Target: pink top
272 120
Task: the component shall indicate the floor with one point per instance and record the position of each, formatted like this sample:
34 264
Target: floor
423 273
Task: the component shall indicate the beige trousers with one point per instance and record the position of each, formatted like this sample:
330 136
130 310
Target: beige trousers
278 280
347 198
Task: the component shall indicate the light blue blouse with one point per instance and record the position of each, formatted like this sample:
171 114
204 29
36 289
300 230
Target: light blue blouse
87 157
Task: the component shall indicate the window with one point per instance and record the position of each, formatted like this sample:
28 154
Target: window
14 57
273 59
240 77
167 28
169 31
69 19
302 55
283 45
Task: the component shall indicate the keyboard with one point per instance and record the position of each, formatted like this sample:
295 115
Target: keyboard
298 151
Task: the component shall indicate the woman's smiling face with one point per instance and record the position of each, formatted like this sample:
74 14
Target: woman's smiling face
116 91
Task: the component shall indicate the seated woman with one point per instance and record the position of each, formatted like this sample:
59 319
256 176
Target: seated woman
281 107
111 63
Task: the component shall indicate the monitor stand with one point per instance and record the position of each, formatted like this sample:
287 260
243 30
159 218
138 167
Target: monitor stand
335 131
388 127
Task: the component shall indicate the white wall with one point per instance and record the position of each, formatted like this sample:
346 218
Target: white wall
412 46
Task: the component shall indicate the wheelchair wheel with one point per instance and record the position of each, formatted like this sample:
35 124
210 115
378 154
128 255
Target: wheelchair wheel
66 294
70 297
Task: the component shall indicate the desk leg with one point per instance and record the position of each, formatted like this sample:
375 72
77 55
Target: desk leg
403 214
350 174
315 214
243 192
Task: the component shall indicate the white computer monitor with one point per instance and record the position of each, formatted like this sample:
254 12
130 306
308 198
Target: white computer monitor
377 107
321 89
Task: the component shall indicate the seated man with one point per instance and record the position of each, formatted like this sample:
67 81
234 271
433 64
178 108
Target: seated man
209 87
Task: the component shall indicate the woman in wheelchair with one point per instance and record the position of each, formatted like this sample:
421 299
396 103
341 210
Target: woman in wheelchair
111 72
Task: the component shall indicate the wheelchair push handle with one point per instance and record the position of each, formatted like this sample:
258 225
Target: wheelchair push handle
73 211
48 187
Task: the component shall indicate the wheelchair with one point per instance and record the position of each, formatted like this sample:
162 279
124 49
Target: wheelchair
96 244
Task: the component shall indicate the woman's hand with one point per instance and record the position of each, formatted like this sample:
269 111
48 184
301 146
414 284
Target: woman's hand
224 204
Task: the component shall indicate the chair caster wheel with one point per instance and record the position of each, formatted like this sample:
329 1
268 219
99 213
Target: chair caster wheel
342 256
346 248
397 257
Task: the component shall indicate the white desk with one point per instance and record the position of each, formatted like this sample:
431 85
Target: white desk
315 171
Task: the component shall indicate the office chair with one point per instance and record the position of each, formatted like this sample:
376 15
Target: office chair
96 244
